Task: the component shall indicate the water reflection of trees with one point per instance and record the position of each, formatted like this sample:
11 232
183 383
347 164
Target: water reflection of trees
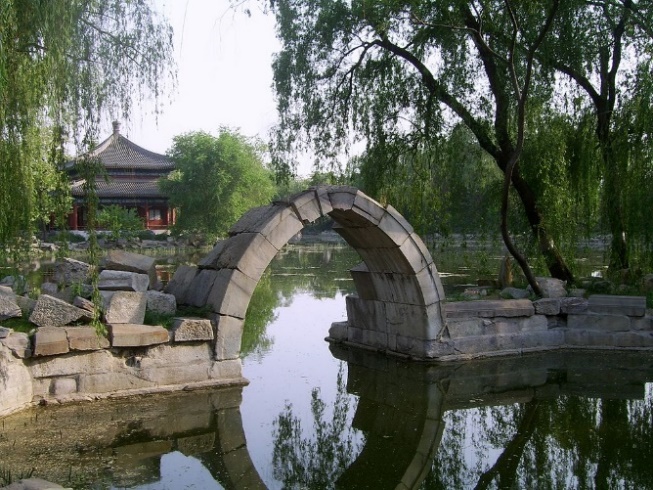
317 460
320 270
566 442
545 432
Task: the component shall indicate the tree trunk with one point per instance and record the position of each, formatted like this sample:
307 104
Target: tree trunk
619 256
554 260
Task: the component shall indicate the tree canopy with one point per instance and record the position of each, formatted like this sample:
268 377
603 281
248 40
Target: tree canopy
64 66
216 179
401 76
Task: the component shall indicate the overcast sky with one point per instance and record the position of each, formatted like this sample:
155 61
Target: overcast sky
224 74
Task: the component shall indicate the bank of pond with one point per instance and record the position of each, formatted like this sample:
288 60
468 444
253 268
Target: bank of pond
319 415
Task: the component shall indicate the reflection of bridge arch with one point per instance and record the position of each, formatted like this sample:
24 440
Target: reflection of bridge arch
397 308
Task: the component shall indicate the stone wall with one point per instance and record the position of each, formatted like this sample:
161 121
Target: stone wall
477 329
64 358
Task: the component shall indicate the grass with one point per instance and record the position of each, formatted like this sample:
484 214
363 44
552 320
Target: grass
19 325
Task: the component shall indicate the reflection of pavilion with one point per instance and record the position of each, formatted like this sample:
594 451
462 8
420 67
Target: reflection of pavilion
401 409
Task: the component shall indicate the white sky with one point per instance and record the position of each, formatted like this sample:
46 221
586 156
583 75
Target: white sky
224 75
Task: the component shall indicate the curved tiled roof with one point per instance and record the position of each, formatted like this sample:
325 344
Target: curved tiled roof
118 152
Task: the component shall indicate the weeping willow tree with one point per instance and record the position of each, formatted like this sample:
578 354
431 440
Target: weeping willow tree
65 65
602 50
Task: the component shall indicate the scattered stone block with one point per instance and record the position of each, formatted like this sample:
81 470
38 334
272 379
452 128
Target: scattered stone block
551 287
123 281
619 305
133 335
84 304
547 306
191 330
119 260
85 338
9 308
70 271
53 312
26 304
50 341
180 282
18 343
5 287
125 307
161 303
50 288
4 332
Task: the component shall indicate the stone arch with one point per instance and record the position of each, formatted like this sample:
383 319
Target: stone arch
397 308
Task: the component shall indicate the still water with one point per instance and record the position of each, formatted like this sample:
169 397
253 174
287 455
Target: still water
315 416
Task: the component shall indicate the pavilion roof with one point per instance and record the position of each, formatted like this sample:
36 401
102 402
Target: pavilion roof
117 152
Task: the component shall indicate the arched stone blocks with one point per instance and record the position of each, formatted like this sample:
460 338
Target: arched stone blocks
397 308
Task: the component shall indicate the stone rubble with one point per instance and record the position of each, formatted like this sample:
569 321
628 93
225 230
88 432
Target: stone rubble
64 358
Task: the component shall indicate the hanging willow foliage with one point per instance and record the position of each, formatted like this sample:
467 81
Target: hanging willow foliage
64 65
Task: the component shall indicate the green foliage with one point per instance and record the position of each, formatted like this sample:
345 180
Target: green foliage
121 222
64 66
19 324
404 77
216 179
159 319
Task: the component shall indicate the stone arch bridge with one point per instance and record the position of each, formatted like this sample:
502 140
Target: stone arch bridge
399 305
397 308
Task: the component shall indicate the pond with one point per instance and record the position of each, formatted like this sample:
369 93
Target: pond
317 416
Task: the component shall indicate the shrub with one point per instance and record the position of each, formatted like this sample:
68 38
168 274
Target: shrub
120 222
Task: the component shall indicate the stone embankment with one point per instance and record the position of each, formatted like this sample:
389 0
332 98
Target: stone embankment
64 358
508 327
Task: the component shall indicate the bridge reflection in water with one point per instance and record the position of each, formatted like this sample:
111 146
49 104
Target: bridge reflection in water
401 413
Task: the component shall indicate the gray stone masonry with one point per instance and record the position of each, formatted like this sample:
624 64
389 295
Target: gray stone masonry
161 303
85 338
132 335
119 260
50 341
18 343
490 308
191 330
476 329
123 281
124 306
617 305
70 271
9 308
54 312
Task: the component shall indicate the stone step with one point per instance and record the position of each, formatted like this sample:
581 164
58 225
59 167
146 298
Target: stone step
490 308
